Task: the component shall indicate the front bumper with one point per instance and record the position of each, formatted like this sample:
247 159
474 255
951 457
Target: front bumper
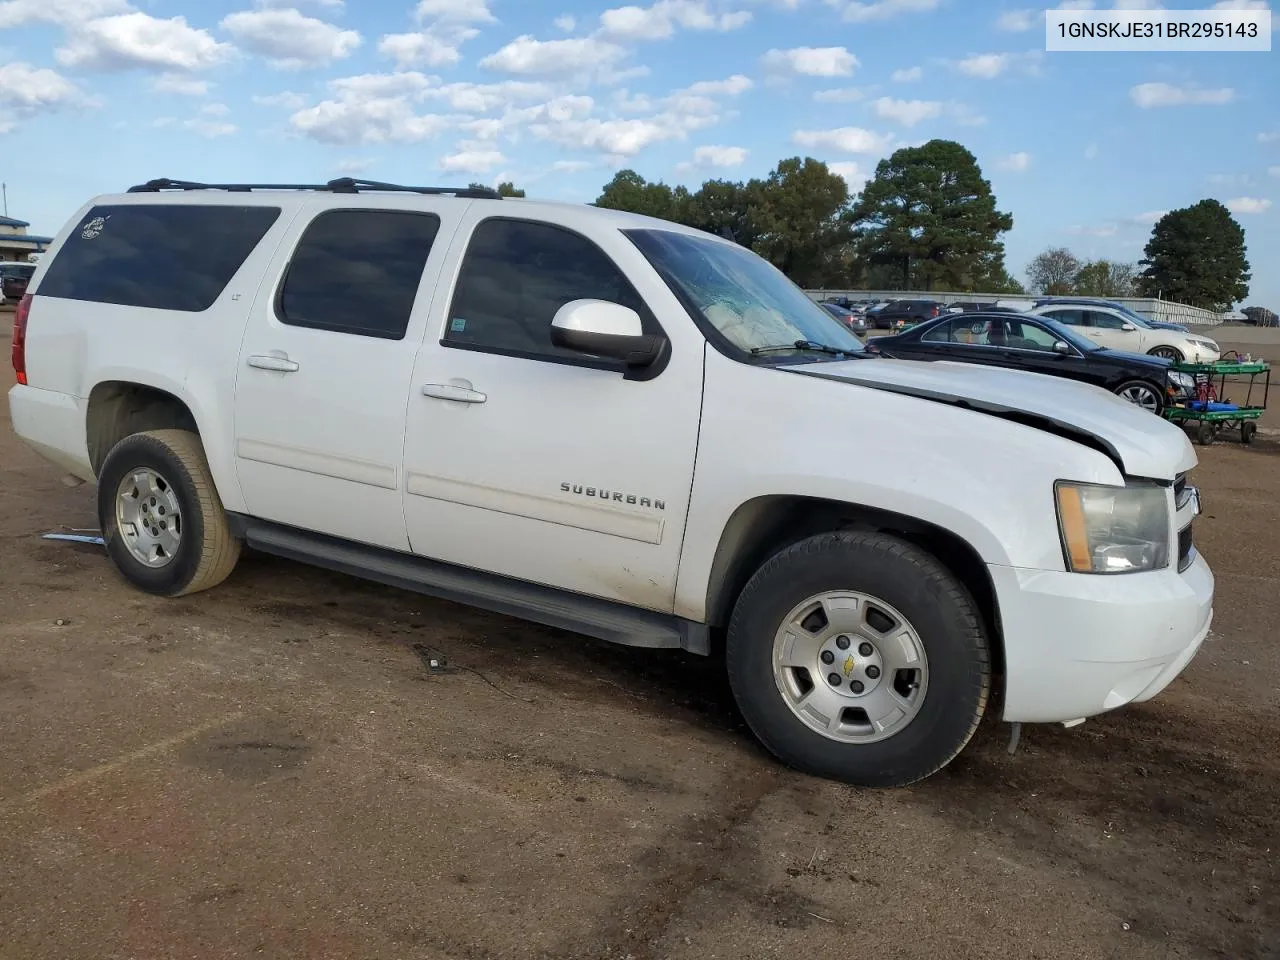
1079 645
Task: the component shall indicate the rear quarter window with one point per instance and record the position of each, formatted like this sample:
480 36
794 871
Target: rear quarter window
161 256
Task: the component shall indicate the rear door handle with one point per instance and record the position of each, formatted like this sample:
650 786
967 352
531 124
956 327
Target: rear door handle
280 364
459 392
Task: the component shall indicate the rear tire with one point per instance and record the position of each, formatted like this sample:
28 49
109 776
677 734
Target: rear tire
904 637
161 516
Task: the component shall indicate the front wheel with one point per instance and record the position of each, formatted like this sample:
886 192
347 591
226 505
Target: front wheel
1142 394
160 514
1168 353
859 657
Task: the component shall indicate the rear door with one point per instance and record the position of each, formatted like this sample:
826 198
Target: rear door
326 361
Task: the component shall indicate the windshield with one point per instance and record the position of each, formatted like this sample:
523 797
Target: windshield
748 300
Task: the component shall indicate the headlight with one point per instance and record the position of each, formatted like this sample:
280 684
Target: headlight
1183 380
1113 529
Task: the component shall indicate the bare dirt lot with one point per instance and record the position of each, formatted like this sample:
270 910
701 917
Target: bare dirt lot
270 770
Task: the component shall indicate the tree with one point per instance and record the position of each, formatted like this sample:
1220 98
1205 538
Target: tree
929 211
1197 255
799 215
1105 278
630 191
1054 272
505 189
1261 316
722 207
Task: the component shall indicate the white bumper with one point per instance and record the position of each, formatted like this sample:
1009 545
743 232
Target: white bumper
1078 645
52 424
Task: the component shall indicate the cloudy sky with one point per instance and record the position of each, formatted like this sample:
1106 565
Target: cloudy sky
1085 150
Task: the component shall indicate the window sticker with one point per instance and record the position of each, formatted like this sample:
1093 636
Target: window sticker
457 325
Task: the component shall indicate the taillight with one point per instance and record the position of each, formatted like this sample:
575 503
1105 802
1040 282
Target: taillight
19 352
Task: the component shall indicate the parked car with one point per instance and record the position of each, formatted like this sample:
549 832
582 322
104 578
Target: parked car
618 426
1121 308
14 278
1121 329
905 311
1040 345
850 318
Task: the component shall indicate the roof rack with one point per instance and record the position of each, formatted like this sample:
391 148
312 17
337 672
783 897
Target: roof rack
341 185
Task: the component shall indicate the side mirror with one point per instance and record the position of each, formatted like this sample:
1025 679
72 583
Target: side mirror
1128 327
1061 347
604 329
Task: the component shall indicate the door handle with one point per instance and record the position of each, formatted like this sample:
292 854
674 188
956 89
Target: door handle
459 392
279 364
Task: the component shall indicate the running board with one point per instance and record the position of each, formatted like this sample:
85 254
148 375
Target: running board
591 616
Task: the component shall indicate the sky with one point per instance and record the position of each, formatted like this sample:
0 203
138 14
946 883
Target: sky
1085 150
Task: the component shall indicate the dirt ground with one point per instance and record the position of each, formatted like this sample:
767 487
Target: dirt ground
270 770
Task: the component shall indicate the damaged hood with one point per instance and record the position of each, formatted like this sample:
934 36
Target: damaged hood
1143 444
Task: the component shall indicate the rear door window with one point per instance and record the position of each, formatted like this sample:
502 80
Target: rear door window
358 272
162 256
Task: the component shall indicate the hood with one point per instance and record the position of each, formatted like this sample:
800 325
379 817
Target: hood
1141 444
1132 359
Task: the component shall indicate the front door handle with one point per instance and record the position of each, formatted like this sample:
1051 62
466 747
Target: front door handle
280 364
459 391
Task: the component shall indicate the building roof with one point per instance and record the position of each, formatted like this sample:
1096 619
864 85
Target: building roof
16 240
10 222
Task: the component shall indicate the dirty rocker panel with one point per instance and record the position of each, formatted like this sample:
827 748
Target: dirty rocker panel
591 616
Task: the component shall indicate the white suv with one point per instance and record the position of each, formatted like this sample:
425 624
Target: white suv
618 426
1116 328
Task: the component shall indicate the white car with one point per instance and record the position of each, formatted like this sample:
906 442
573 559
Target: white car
617 426
1116 328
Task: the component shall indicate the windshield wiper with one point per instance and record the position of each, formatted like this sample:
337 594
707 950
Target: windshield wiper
806 346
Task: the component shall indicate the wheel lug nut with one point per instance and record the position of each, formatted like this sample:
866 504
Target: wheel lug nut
828 657
842 643
866 649
873 672
856 686
834 679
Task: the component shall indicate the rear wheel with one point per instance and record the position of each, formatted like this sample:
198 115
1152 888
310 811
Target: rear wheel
859 657
161 516
1142 394
1168 353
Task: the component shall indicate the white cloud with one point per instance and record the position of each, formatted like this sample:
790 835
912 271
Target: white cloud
861 12
287 99
1100 231
26 91
1091 152
908 75
1241 5
730 86
1271 136
1230 179
1246 205
1015 162
1274 171
484 97
457 11
371 108
661 19
840 95
811 61
854 176
1150 95
273 4
527 56
1017 21
571 166
177 83
1149 218
988 66
716 158
139 41
965 115
906 112
844 139
210 122
16 13
289 40
472 158
425 48
566 23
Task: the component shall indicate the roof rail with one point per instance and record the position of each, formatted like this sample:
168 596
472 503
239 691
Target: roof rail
341 185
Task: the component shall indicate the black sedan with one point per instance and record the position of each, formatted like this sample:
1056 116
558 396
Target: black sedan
854 321
1038 345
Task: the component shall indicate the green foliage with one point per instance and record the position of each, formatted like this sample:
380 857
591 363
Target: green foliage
1197 255
929 212
800 218
1105 278
1054 272
505 189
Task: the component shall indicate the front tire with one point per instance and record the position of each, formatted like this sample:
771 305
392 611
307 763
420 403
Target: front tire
161 516
1168 353
1142 394
859 657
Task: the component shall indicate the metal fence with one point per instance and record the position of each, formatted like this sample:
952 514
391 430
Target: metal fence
1148 307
